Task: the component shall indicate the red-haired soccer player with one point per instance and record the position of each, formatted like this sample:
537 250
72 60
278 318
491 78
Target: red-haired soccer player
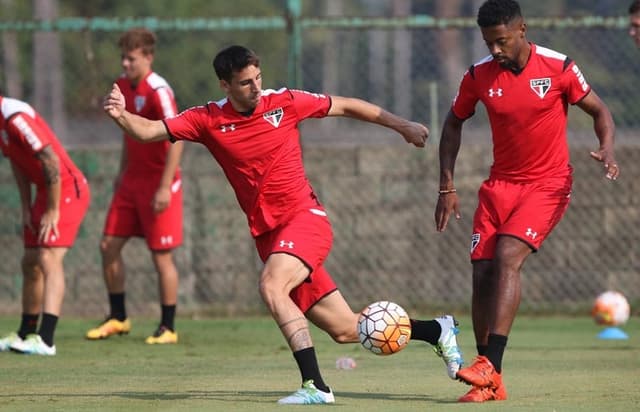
148 194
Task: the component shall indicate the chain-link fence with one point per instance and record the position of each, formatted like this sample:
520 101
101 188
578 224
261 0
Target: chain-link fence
380 193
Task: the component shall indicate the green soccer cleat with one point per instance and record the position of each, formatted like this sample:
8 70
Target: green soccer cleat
447 346
308 394
33 345
8 340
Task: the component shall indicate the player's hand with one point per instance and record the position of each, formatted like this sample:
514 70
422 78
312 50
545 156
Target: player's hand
416 134
611 167
447 204
49 224
161 199
114 102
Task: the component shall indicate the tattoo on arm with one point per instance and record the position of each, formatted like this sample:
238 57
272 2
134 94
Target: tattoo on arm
50 166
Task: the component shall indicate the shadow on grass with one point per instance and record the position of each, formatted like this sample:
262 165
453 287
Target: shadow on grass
226 396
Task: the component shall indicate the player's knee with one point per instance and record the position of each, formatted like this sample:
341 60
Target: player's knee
344 336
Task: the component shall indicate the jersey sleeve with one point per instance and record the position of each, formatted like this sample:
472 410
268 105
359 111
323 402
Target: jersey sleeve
165 102
187 125
309 104
464 104
576 86
24 129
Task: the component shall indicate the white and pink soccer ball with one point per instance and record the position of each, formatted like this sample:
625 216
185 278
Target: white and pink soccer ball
611 309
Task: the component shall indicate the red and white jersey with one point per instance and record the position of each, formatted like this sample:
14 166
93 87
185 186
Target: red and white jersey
259 153
527 112
23 134
153 99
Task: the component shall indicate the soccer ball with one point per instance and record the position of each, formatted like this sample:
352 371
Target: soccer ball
384 328
610 308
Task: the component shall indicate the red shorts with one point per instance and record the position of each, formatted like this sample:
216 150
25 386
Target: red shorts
526 211
307 236
131 213
74 202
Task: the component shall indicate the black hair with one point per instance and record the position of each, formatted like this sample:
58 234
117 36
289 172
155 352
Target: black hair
634 7
233 59
498 12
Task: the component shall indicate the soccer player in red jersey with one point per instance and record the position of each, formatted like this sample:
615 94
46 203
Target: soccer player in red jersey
50 222
253 134
148 194
526 89
634 22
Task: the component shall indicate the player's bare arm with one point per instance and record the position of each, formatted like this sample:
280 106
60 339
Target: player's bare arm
51 170
24 188
449 147
137 127
605 131
162 198
414 133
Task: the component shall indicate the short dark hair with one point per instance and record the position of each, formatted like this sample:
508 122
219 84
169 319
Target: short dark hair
498 12
634 7
138 38
233 59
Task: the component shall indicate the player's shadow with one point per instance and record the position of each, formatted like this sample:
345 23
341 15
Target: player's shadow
223 396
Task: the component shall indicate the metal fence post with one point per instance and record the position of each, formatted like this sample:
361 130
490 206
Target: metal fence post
294 32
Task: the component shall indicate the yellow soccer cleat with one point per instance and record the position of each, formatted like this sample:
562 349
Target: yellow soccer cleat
161 336
108 328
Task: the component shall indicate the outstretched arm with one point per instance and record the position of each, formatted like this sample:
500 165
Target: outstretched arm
449 147
138 127
605 131
414 133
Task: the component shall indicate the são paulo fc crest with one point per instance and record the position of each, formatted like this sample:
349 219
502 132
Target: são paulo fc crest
540 86
475 239
274 116
139 102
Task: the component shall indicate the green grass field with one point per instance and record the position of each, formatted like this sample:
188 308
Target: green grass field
552 364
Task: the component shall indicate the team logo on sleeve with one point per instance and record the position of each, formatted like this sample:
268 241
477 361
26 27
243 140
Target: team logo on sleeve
274 116
540 86
139 102
475 240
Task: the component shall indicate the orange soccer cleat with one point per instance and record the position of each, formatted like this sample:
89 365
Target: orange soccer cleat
487 383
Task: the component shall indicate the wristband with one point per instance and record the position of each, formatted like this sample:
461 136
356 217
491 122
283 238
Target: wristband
446 191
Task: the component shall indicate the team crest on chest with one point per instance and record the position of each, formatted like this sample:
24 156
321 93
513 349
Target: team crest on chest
274 116
139 102
540 86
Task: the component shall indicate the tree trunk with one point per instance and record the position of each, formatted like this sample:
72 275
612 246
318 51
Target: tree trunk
48 96
11 57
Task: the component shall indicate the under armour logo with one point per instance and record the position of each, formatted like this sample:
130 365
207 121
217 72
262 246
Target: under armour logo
166 240
497 92
287 244
530 233
225 128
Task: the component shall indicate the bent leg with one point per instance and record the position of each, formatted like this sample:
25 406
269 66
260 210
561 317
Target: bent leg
282 273
333 315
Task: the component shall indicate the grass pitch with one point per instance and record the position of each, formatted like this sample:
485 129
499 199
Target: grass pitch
243 364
